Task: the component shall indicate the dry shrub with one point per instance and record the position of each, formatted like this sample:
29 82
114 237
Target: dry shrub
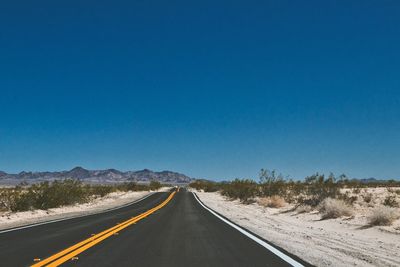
272 202
356 190
263 201
367 197
391 201
334 208
383 216
304 209
348 198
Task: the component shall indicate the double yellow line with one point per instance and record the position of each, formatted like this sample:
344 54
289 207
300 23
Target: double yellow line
68 253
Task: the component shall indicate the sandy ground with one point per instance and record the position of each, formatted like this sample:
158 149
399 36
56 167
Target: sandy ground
333 242
113 200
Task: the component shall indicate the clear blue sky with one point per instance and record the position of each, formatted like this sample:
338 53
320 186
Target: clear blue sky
213 89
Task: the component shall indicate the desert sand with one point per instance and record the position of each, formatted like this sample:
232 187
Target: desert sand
332 242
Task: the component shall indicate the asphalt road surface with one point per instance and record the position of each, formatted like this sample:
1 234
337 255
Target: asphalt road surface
181 233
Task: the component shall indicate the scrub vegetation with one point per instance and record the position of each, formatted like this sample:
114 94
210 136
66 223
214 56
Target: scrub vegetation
55 194
383 216
332 196
331 208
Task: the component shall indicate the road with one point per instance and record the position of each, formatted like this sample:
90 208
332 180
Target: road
180 233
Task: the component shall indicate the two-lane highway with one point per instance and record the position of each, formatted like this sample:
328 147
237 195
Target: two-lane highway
165 229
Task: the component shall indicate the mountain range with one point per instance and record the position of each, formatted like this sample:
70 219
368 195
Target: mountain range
96 176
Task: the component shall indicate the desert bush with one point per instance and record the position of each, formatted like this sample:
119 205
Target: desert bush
45 195
99 190
128 186
383 216
348 198
207 186
133 186
21 201
211 187
391 201
393 183
59 193
334 208
5 198
310 192
390 189
318 188
196 185
243 189
154 185
367 197
303 209
356 190
272 184
48 195
272 202
294 190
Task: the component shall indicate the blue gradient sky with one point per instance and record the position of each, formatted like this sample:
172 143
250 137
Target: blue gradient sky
214 89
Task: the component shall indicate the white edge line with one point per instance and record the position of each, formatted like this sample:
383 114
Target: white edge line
253 237
74 217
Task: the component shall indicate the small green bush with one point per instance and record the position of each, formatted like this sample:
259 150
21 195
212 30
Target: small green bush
243 189
100 190
207 186
318 188
155 185
272 184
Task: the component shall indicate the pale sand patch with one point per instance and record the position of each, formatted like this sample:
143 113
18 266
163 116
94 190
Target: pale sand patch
334 242
110 201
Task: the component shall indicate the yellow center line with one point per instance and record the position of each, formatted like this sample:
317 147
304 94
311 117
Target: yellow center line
78 248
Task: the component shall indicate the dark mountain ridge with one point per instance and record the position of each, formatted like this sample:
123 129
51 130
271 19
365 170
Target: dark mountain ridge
96 176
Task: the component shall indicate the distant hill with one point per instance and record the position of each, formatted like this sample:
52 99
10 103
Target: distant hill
368 180
96 176
371 180
374 181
